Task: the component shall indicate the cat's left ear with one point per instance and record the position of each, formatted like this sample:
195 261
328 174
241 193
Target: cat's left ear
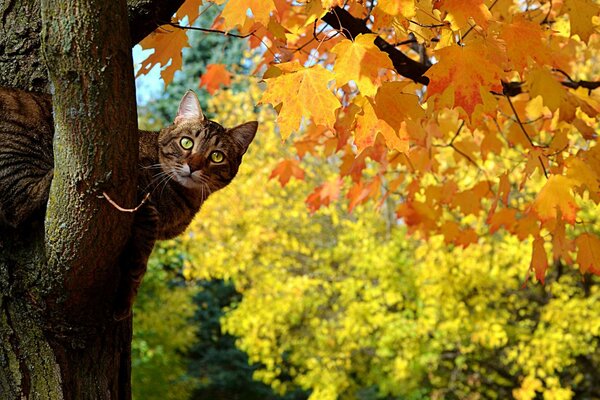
244 133
189 108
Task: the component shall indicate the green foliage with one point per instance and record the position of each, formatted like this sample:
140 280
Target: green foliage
162 330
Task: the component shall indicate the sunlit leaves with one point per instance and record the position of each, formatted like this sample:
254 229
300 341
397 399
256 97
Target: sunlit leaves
360 60
167 44
301 92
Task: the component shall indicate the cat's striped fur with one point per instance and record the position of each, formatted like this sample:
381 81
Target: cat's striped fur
178 168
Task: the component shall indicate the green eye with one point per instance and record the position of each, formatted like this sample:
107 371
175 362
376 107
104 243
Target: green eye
217 156
186 143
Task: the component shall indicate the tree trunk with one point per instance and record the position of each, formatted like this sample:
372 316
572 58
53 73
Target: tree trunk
58 277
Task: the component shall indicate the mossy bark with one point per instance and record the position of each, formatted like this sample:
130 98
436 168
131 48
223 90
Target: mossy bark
58 276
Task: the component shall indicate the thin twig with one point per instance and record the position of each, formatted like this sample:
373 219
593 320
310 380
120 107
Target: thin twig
194 28
118 207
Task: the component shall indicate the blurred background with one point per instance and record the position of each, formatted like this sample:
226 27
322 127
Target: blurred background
261 299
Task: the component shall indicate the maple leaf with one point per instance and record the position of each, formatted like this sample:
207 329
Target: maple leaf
406 8
191 8
556 196
460 11
215 76
588 253
580 17
360 61
301 92
520 51
539 259
323 195
167 45
235 12
466 72
287 169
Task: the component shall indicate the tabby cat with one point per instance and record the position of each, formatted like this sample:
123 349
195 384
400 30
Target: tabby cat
180 166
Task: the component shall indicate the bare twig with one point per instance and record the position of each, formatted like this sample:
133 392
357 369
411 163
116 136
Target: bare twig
118 207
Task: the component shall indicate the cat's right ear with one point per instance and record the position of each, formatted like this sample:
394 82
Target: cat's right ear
189 108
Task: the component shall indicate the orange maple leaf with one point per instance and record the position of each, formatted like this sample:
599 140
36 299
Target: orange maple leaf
191 8
301 92
167 44
460 11
323 195
556 196
287 169
588 253
215 76
539 259
464 73
519 50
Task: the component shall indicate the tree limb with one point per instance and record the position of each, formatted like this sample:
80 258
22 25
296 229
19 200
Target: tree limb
349 26
147 15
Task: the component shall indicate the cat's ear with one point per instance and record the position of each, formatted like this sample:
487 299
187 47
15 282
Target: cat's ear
189 108
244 133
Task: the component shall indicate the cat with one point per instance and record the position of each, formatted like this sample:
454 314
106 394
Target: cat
179 167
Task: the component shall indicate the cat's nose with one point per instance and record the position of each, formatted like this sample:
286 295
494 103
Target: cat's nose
196 163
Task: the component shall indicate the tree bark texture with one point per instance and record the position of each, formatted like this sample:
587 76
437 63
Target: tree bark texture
21 65
58 277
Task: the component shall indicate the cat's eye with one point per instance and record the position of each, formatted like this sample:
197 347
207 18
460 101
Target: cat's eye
217 156
186 143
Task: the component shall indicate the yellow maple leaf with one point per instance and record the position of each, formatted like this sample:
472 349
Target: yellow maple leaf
235 12
301 92
167 44
460 11
360 61
406 8
556 196
580 17
466 72
368 125
543 83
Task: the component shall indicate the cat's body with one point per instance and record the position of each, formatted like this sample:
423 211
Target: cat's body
179 167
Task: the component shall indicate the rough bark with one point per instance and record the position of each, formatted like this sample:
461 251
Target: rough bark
21 24
57 280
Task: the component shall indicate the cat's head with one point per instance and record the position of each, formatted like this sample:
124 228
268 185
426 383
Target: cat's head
199 153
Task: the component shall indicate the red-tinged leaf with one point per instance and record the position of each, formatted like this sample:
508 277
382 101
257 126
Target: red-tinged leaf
467 73
287 169
419 215
526 226
523 39
457 235
588 253
556 196
167 44
539 259
324 195
215 76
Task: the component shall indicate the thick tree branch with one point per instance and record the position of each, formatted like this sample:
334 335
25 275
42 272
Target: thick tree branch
147 15
95 149
349 26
